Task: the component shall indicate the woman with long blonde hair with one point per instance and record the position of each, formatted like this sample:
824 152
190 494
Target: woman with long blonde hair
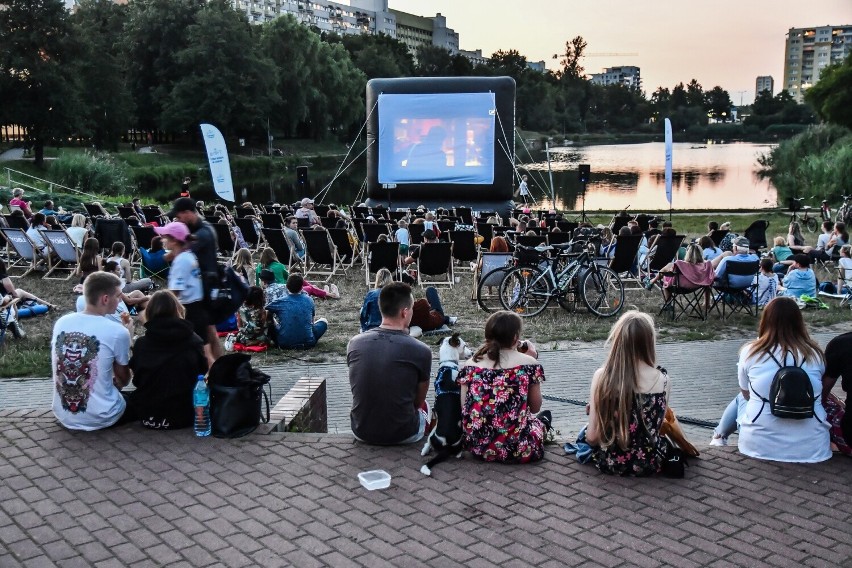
629 396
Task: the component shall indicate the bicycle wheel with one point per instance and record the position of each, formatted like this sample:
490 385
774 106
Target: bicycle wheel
525 291
811 224
488 290
602 292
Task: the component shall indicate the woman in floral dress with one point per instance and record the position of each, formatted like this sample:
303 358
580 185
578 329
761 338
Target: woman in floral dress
252 319
500 395
628 401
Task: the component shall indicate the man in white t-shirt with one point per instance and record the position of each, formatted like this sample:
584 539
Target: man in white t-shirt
90 354
524 190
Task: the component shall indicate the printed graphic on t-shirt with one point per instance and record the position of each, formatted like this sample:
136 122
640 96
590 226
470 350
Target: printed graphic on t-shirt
76 369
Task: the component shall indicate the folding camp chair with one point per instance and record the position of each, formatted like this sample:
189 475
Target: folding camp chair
567 226
249 231
558 238
149 269
737 298
717 236
142 237
109 231
435 259
465 214
464 249
272 221
361 212
486 231
126 212
445 227
277 240
224 240
373 230
328 222
153 214
347 252
687 297
415 233
530 240
844 277
378 256
27 257
321 210
96 210
624 262
397 215
321 257
490 270
17 222
756 235
63 256
618 221
662 252
243 212
303 222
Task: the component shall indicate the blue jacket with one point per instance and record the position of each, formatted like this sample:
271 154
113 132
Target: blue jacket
799 282
370 315
295 313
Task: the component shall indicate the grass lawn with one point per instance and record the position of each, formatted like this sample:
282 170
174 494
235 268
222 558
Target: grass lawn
553 329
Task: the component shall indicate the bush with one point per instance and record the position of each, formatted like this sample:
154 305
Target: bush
92 173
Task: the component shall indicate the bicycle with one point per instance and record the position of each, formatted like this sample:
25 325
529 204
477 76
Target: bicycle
844 212
528 290
825 210
805 220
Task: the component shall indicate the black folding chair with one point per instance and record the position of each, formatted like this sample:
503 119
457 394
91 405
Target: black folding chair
465 214
328 222
242 212
624 262
558 238
277 240
486 231
109 231
17 222
717 236
567 226
321 256
373 230
464 248
661 253
362 212
321 210
618 221
530 240
378 256
756 235
737 298
249 231
96 210
271 221
347 253
435 259
65 255
415 232
686 297
226 243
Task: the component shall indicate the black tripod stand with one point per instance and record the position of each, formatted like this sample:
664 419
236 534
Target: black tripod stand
584 172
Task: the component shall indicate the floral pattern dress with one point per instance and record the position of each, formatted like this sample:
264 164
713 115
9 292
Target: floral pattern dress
643 455
252 331
496 420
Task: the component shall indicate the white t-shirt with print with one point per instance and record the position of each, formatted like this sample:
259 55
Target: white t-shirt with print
83 350
773 438
185 278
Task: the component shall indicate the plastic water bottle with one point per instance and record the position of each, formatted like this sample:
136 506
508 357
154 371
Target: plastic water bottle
201 400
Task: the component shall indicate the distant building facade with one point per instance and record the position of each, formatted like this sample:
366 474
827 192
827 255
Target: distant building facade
359 17
809 51
626 75
416 31
537 66
764 83
475 57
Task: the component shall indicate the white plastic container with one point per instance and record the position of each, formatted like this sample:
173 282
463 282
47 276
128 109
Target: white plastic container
376 479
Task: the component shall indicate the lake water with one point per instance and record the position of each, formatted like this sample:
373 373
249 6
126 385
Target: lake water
712 176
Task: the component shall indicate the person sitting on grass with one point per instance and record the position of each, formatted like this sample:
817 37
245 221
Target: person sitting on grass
293 325
8 292
269 261
116 254
370 315
767 283
135 299
251 319
166 362
800 280
90 259
428 314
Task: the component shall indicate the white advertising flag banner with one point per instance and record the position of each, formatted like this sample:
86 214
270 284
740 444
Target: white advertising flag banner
669 161
217 157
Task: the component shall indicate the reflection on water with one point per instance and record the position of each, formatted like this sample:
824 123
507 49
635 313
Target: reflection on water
706 177
711 177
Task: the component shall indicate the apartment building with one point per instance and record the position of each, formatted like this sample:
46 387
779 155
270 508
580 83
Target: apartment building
764 83
626 75
808 51
358 17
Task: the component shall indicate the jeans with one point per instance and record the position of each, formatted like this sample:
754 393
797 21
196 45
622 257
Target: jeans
435 302
731 417
780 268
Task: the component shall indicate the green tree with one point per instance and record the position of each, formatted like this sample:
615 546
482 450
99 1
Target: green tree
831 97
155 33
695 94
223 78
37 86
100 69
661 101
433 61
570 63
379 55
718 103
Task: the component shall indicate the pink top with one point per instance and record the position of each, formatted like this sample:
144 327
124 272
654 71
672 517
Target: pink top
692 275
25 207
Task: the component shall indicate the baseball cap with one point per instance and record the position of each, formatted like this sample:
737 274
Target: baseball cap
267 276
801 259
741 242
182 204
175 230
307 201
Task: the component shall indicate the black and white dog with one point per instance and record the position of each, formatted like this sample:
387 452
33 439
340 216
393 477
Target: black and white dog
446 437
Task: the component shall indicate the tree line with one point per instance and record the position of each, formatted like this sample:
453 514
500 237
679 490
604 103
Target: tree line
164 66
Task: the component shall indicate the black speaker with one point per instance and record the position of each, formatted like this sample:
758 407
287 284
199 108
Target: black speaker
584 172
302 177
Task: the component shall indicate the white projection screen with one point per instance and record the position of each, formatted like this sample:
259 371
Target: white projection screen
436 138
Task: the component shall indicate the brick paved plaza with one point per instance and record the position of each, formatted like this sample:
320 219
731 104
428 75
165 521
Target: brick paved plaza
133 497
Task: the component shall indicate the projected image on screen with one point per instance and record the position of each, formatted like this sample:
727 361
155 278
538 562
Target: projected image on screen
443 138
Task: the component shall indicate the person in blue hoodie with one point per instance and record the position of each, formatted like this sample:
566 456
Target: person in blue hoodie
294 326
800 280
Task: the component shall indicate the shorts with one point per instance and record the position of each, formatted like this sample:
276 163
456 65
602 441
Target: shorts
197 315
403 249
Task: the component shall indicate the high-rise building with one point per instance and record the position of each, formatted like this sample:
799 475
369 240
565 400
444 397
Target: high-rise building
764 83
809 51
416 31
626 75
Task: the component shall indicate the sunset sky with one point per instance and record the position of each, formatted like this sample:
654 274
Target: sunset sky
724 42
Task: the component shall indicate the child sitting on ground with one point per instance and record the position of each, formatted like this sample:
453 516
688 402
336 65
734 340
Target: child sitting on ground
251 319
767 283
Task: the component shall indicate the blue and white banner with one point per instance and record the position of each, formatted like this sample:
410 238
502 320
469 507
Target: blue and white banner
669 161
217 157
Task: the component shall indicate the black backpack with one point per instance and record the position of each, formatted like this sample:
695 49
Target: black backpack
791 394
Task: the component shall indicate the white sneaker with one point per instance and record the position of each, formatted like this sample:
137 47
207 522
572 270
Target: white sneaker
720 441
453 320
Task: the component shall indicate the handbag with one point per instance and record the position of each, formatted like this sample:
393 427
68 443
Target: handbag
673 460
237 393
